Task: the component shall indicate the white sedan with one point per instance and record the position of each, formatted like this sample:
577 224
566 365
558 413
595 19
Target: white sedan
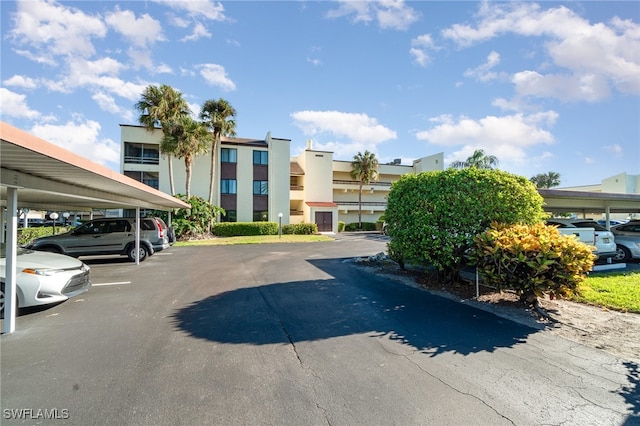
44 278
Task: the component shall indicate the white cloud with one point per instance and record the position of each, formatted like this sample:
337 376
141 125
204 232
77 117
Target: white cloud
508 137
590 87
483 72
141 32
360 131
15 105
82 138
207 9
314 62
53 29
594 56
216 75
199 31
421 46
20 81
615 149
393 14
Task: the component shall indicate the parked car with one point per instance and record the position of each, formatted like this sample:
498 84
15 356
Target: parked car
627 238
603 239
108 236
44 278
612 222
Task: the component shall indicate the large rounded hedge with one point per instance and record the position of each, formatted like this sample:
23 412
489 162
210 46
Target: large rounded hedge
432 217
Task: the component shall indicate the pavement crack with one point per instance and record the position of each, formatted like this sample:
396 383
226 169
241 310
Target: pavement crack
458 390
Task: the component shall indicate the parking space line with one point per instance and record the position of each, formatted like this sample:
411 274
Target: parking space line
115 283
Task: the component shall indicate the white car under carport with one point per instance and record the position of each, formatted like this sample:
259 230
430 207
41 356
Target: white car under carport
44 278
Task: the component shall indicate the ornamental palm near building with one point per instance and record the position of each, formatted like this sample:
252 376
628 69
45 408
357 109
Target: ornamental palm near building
364 169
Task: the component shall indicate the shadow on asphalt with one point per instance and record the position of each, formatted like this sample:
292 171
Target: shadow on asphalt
353 302
356 302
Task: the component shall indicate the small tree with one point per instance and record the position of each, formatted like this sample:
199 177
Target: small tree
160 106
219 117
364 168
478 160
546 180
186 138
432 217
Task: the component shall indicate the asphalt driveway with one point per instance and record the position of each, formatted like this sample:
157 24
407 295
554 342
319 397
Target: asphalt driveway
293 334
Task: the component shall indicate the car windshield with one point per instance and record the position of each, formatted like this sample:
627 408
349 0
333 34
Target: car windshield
590 224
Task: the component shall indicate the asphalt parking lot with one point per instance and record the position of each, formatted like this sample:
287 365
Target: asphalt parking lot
292 334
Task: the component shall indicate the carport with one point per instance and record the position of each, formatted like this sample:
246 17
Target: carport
39 175
567 201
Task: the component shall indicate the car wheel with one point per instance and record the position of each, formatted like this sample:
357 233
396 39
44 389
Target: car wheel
622 254
143 254
3 299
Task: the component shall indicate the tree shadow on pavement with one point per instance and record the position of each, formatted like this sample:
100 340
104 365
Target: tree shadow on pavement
353 302
631 393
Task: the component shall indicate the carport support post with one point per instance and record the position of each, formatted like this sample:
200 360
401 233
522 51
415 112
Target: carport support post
10 268
138 223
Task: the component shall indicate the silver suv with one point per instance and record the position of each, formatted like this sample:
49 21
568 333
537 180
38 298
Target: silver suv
108 236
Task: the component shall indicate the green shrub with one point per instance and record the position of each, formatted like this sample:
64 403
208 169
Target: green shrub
193 222
26 235
366 226
300 229
341 226
236 229
531 259
432 217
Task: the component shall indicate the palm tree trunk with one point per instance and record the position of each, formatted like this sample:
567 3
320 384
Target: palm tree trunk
171 186
187 166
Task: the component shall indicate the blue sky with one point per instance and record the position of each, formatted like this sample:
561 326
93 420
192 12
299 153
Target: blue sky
543 86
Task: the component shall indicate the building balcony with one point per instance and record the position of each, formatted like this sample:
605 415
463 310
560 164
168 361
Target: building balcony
296 213
355 185
130 159
372 206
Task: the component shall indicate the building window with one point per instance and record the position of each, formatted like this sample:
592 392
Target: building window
141 153
260 215
260 187
229 216
228 155
261 157
148 178
228 186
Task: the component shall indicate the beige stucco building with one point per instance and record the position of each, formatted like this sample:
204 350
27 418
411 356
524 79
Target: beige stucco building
256 179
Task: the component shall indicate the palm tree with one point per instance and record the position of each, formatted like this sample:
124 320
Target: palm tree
219 117
160 106
364 168
546 180
478 160
187 138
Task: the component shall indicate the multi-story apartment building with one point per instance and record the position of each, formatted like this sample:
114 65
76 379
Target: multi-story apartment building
323 191
258 180
252 175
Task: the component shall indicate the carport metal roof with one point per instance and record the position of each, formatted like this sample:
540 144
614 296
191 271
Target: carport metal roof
565 201
51 178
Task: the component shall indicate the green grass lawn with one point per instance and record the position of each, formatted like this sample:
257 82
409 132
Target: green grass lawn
258 239
613 290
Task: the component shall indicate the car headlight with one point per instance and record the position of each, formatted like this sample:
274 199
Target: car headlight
41 271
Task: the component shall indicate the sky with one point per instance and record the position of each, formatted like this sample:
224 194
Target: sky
542 86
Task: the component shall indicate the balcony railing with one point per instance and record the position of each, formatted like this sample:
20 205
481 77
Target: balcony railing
130 159
296 213
355 182
364 203
296 187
